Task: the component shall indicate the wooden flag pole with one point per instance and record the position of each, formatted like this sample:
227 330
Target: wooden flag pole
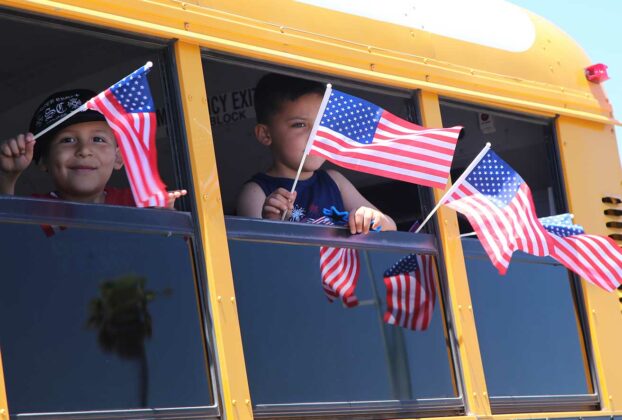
316 123
466 173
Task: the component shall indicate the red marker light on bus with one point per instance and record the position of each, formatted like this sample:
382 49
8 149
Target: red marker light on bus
596 73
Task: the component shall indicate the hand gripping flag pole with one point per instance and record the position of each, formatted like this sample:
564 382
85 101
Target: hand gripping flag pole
316 124
466 173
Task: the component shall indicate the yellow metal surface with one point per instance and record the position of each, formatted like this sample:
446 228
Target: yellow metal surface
476 394
544 79
592 170
4 405
233 381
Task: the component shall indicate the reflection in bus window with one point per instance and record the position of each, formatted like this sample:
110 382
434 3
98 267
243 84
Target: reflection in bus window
105 330
526 326
300 348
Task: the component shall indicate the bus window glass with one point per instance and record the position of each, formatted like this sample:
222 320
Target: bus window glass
300 348
526 326
99 320
526 320
92 318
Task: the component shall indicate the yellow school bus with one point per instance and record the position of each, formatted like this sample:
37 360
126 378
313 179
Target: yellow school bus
114 312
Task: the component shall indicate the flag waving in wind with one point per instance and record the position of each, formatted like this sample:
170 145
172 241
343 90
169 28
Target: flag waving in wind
597 259
359 135
498 204
130 112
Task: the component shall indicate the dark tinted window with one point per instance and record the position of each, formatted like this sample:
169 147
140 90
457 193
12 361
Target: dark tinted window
99 320
526 325
300 348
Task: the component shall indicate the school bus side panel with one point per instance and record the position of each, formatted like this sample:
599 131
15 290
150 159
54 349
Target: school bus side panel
591 169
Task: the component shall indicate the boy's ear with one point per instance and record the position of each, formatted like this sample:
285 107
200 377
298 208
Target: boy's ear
262 133
118 160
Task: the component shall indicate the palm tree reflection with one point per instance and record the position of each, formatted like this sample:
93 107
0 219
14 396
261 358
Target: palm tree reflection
121 316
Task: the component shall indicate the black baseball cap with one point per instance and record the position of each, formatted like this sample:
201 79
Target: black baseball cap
55 107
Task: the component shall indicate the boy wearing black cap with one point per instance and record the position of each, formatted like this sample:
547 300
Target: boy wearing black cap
79 154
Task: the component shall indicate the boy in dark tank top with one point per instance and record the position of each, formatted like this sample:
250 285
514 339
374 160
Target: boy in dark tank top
286 108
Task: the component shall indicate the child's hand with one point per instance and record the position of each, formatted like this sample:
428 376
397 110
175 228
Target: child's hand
16 154
172 196
360 220
278 202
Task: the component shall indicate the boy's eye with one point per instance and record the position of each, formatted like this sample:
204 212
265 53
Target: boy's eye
298 125
67 140
98 139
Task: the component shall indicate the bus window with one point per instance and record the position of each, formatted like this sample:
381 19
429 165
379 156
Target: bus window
240 156
305 355
101 307
526 320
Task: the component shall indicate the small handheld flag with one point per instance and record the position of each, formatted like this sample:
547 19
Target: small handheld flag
498 204
130 112
361 136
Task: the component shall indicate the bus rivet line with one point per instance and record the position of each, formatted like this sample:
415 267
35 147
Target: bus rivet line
247 401
219 298
232 299
470 308
204 196
187 26
233 402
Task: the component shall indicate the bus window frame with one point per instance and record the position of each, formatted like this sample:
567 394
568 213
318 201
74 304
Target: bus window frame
28 210
514 404
292 233
299 234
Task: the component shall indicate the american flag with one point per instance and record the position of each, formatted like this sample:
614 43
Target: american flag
499 206
597 259
561 225
359 135
130 112
340 270
411 293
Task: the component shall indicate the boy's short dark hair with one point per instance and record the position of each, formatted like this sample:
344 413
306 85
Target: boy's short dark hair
55 107
273 89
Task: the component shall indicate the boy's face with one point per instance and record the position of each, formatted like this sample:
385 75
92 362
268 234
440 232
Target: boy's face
81 159
288 131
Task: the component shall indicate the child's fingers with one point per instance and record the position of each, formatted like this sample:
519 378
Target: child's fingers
14 147
6 149
367 217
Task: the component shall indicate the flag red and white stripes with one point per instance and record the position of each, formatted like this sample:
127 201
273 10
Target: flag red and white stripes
129 110
498 204
361 136
597 259
340 269
502 230
411 292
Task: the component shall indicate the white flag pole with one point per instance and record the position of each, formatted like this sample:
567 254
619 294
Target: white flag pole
82 108
65 118
316 123
466 173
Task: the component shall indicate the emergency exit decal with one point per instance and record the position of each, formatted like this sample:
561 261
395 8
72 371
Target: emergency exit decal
231 107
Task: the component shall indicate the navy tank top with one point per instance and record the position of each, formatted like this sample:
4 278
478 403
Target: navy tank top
314 194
